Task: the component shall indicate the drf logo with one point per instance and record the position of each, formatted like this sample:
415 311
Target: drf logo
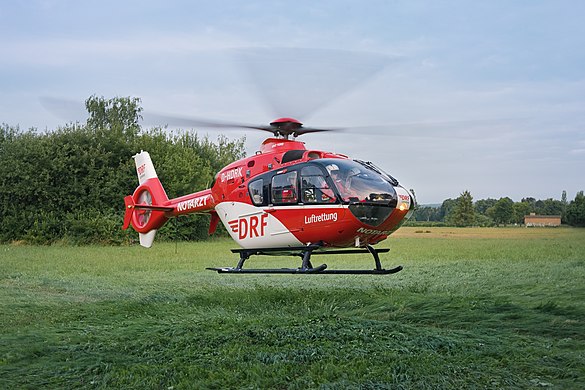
249 227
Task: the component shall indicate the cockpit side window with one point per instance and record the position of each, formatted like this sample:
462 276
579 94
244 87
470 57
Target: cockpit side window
314 187
284 188
256 189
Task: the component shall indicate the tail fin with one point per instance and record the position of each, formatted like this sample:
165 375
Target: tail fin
146 208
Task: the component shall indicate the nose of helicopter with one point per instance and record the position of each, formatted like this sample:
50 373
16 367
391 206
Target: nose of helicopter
389 208
375 198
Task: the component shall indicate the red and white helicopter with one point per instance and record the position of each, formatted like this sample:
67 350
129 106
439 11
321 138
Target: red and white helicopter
285 199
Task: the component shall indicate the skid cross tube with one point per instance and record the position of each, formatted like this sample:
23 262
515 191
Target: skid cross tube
306 267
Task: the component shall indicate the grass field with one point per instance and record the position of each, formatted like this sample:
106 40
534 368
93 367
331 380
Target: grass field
473 308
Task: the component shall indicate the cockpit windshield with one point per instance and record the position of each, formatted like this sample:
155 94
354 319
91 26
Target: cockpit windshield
357 182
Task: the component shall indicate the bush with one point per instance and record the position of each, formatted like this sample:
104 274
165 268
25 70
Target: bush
69 184
576 211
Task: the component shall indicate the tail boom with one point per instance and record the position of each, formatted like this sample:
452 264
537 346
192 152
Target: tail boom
198 202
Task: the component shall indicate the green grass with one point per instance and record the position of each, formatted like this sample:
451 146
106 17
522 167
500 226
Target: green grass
473 308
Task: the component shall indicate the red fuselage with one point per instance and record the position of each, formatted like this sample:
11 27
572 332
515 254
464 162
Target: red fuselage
287 196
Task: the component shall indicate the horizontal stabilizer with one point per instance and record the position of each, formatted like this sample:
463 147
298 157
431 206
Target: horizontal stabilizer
153 208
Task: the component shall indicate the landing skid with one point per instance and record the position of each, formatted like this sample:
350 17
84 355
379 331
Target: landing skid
305 253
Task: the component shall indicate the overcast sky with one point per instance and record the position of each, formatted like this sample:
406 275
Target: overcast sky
446 96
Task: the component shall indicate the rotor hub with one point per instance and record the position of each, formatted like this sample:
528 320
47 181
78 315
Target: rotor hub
283 127
288 122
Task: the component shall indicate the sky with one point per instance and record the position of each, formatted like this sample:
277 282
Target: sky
446 96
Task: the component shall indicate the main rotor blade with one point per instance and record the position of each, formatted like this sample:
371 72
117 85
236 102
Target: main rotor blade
441 129
71 110
307 130
298 81
178 121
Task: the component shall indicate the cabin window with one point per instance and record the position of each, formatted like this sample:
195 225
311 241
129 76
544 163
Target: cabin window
256 189
314 187
284 188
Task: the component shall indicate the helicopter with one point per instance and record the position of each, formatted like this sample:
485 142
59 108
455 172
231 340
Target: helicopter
286 199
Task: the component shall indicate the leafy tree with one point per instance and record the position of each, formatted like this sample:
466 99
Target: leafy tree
482 205
483 220
503 211
427 214
70 183
446 208
521 209
119 115
549 207
7 134
463 214
576 211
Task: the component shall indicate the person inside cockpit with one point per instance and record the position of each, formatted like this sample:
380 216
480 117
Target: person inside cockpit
340 181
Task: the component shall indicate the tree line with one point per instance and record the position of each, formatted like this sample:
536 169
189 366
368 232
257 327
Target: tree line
69 184
463 211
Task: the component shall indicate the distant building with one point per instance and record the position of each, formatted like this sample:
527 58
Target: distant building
542 220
